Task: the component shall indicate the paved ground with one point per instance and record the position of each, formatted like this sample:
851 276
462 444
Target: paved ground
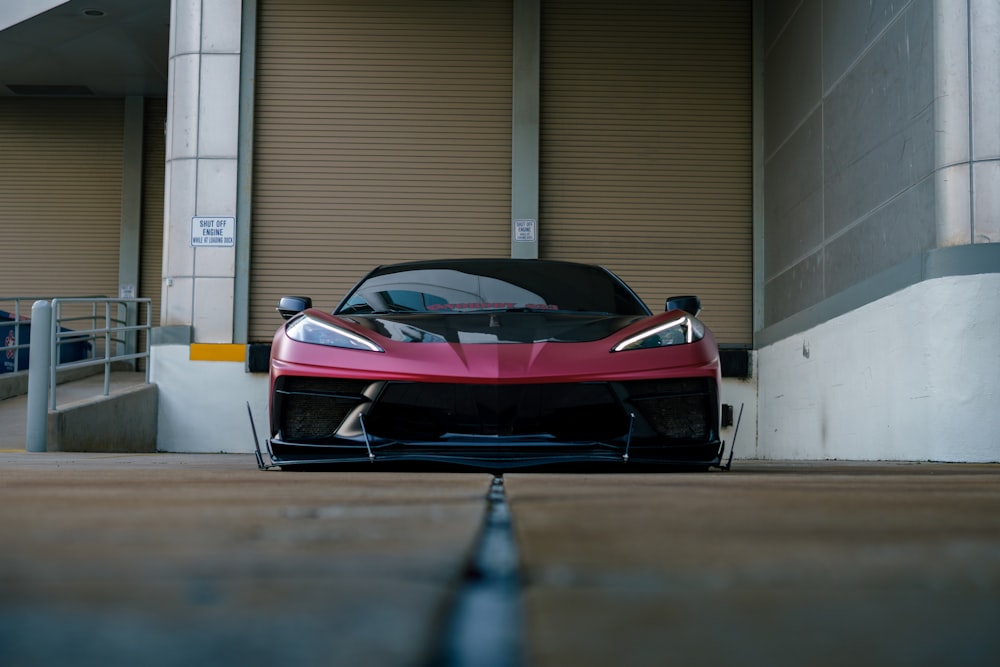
770 564
204 560
171 559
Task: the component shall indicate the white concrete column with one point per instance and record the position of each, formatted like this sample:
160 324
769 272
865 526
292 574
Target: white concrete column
524 149
952 132
201 167
984 48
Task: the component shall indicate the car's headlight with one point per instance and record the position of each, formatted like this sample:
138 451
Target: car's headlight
682 330
305 329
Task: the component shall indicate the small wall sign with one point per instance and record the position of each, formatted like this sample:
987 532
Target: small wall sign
213 232
524 230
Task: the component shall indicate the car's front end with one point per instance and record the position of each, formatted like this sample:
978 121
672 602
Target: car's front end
495 388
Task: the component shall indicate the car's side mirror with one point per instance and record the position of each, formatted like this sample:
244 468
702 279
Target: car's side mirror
689 304
293 305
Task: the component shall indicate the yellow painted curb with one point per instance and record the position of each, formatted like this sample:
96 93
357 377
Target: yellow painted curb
218 352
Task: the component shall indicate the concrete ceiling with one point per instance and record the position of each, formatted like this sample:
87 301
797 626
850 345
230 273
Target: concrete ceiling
88 48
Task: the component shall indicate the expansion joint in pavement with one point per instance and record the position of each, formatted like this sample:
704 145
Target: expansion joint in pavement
483 627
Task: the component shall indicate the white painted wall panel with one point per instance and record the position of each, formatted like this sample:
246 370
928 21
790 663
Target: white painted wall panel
912 376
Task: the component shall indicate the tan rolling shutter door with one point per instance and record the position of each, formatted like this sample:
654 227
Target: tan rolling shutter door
646 148
382 134
60 188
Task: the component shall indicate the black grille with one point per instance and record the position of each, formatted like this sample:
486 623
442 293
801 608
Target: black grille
310 409
408 411
680 410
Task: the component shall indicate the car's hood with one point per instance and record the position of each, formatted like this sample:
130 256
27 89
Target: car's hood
494 327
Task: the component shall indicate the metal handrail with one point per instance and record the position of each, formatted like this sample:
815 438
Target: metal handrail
14 349
114 335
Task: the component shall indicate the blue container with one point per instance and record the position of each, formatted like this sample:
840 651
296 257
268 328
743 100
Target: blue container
69 350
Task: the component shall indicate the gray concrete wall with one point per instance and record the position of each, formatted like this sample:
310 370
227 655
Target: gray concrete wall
865 166
125 421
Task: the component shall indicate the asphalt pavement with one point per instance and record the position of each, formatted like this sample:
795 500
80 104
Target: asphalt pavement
180 559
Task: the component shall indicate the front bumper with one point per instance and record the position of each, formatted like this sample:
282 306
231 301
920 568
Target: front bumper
328 420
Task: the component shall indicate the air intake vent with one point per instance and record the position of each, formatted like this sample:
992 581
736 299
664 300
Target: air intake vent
312 409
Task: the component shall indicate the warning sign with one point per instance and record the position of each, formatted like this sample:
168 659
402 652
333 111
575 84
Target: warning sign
213 232
524 230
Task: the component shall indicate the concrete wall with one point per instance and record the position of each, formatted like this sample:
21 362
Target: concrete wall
123 422
849 145
205 409
911 376
880 139
880 253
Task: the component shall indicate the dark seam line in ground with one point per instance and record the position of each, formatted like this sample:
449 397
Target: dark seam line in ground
483 627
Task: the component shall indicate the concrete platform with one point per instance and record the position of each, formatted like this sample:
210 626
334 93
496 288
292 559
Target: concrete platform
180 559
13 410
172 559
823 564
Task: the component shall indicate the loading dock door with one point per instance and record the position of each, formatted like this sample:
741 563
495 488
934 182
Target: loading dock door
646 148
60 188
383 133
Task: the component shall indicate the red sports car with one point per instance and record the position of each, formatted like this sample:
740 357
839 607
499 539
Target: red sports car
494 364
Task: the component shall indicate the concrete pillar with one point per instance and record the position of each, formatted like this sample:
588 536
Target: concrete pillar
524 150
201 167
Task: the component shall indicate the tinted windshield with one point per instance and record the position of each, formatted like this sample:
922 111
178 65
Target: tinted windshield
483 285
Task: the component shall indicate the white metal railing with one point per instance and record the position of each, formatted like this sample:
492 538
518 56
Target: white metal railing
113 335
14 319
109 331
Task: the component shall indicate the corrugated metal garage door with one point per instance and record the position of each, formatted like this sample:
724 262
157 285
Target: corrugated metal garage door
382 133
646 148
60 196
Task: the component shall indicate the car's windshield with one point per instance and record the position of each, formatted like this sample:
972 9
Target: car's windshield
492 285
